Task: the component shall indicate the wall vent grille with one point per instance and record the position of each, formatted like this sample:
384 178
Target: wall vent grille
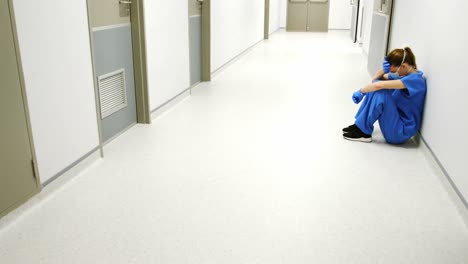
112 92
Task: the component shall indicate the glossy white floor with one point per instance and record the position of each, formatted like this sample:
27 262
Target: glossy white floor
252 169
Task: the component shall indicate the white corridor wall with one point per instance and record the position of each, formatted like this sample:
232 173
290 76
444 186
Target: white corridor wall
441 54
167 49
274 15
58 73
58 76
368 6
283 12
340 14
235 27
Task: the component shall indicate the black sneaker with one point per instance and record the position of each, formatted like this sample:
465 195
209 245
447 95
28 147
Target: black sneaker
349 128
357 135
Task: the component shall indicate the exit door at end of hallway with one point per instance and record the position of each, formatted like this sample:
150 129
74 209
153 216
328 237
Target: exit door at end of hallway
308 15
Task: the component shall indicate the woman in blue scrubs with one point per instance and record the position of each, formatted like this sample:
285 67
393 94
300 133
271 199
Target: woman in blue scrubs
395 98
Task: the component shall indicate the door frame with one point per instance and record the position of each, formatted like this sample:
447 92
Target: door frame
206 40
358 18
390 27
266 31
137 21
26 111
139 67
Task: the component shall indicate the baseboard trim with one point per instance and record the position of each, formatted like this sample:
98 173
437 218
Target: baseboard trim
450 186
274 31
233 60
51 186
76 166
123 131
168 105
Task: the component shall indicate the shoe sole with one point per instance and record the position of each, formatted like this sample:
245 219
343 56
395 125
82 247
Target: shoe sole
366 140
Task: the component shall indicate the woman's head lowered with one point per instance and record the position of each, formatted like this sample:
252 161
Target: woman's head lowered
402 61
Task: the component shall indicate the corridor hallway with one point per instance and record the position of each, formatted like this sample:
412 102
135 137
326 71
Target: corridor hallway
251 169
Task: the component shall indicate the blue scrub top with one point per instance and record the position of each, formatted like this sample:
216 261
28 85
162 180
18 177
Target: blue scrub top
410 101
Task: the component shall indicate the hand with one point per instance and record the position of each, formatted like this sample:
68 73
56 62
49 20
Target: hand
386 65
357 96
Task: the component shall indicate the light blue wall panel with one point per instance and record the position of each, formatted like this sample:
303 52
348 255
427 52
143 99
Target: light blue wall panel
113 51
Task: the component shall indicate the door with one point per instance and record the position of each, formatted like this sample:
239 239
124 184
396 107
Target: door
380 31
113 62
308 15
297 15
17 179
360 25
318 12
354 20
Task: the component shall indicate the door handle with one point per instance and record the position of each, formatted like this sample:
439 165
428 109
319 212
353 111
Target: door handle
125 7
383 3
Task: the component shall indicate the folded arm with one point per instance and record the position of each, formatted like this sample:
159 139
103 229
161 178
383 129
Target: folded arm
393 84
380 75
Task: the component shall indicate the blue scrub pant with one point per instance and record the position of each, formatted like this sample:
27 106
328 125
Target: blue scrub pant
381 106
